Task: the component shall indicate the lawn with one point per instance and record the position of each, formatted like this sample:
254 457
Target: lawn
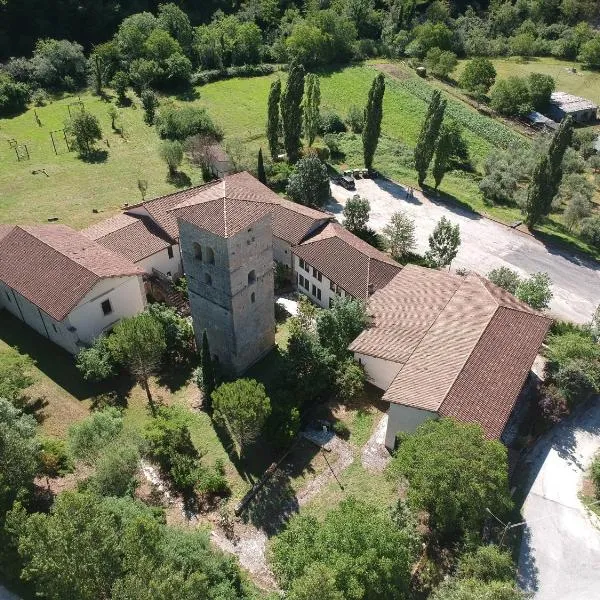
73 188
581 83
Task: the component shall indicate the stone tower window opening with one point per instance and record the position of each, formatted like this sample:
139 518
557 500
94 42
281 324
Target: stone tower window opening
210 256
207 279
252 277
197 251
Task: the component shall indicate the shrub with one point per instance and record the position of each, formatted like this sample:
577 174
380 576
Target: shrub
40 97
590 231
90 436
505 278
96 363
116 471
179 332
213 480
84 130
553 404
175 123
332 141
340 428
331 122
309 185
54 459
171 151
487 563
577 379
208 76
355 119
13 95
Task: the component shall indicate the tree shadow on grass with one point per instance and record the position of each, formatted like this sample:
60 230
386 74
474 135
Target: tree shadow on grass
57 364
188 94
174 376
95 156
179 179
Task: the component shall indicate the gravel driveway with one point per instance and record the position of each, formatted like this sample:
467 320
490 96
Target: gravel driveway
560 552
485 244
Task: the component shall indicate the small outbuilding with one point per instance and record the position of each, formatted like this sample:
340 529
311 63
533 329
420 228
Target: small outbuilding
580 109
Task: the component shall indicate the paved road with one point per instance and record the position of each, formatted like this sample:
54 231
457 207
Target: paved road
486 245
560 552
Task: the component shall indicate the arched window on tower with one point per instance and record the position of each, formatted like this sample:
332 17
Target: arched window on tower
207 279
210 256
197 251
252 277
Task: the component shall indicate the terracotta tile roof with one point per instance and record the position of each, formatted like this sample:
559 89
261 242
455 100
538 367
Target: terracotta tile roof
347 260
465 345
291 222
403 311
134 237
223 216
490 383
5 230
54 267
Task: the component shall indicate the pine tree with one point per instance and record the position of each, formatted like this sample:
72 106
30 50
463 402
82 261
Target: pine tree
208 372
373 116
262 176
538 192
312 102
430 131
291 111
443 152
560 142
273 118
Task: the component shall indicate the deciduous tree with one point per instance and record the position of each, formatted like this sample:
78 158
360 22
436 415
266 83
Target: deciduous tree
356 214
84 130
340 324
138 343
352 535
309 185
443 244
243 407
399 234
456 458
149 104
372 121
478 77
535 291
172 153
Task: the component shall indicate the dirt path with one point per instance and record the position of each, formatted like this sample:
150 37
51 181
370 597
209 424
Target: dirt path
375 456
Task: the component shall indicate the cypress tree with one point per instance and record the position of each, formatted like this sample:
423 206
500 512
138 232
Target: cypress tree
312 102
558 146
538 192
262 176
208 372
443 152
273 118
373 116
291 111
430 131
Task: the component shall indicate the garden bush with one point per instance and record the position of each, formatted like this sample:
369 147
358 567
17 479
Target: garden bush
595 473
590 231
340 428
331 122
174 123
553 404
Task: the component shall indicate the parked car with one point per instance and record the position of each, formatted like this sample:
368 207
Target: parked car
348 182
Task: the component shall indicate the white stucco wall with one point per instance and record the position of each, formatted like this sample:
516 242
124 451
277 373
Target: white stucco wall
324 285
161 262
87 320
379 372
404 418
127 298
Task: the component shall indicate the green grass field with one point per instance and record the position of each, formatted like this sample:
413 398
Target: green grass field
582 83
73 188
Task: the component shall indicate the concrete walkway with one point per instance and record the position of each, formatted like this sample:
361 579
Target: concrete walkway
560 551
485 244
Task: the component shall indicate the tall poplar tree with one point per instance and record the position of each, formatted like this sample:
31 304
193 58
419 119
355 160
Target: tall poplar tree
373 116
291 111
273 118
430 131
312 102
539 191
558 146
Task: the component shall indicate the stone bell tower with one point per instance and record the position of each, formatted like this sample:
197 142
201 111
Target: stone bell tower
227 249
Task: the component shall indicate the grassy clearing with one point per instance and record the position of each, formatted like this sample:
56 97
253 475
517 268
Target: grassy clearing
73 187
582 83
